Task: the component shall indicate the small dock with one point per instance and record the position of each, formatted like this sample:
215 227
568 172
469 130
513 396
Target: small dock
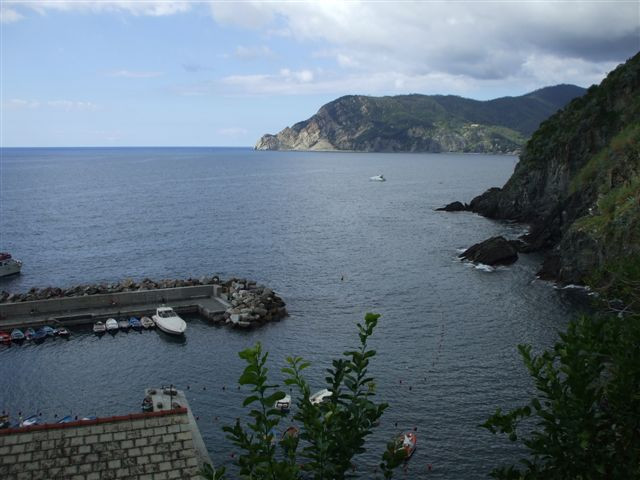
204 300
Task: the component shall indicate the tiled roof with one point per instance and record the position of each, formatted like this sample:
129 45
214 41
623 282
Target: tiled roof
150 446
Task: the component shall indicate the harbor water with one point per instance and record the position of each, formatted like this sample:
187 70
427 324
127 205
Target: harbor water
331 243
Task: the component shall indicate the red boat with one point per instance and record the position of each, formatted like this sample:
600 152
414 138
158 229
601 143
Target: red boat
5 337
407 442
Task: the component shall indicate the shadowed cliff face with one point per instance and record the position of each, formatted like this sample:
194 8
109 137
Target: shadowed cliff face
578 180
422 123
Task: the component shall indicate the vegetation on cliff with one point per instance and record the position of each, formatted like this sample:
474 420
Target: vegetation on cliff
423 123
578 180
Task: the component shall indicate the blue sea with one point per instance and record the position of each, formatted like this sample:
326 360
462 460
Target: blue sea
312 227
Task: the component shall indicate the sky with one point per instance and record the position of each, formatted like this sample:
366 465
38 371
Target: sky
223 73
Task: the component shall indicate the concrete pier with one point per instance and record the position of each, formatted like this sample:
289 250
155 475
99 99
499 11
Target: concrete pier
204 300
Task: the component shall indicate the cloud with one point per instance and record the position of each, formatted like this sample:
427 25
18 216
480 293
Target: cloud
66 105
254 52
133 7
72 105
232 132
480 40
8 15
19 104
131 74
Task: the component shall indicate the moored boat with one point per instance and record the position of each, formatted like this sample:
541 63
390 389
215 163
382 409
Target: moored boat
320 396
406 442
40 335
49 331
134 322
124 325
31 420
9 265
111 325
147 322
378 178
17 335
5 337
66 419
29 333
168 321
62 332
284 404
99 327
4 421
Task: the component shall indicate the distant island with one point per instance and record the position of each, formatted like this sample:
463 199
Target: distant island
423 123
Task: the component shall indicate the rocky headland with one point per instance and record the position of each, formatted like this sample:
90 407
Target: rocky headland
577 183
423 123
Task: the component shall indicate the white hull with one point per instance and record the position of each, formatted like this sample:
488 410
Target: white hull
169 322
10 267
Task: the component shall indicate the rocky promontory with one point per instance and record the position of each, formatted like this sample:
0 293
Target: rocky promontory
578 182
423 123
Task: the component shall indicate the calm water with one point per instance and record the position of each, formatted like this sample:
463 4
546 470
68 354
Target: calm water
297 222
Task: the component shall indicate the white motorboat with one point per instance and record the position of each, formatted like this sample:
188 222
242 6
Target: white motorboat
378 178
320 396
284 404
9 265
168 321
112 325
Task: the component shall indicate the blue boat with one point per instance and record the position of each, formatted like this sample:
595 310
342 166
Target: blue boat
135 323
40 335
17 335
66 419
49 331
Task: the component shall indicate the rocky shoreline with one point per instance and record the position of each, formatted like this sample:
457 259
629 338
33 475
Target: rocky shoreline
250 303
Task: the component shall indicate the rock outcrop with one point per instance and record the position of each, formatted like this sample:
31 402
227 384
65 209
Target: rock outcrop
422 123
578 181
493 251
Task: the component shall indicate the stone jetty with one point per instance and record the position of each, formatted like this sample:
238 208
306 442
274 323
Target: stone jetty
246 303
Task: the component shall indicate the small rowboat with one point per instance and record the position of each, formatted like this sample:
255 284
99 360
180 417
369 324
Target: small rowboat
17 335
406 442
62 332
99 327
66 419
49 331
5 337
284 404
29 333
112 325
320 396
123 325
134 323
32 420
40 335
147 323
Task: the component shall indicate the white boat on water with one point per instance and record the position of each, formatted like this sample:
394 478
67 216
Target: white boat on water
9 265
284 404
168 321
147 322
378 178
320 396
112 325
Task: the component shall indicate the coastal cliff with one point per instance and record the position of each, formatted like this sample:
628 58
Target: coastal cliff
578 182
423 123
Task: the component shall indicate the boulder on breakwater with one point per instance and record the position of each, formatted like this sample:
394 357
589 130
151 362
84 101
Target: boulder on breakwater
252 304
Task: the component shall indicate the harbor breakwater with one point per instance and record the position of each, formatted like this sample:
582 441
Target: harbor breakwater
237 301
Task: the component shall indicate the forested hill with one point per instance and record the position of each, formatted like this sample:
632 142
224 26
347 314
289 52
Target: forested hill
423 123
